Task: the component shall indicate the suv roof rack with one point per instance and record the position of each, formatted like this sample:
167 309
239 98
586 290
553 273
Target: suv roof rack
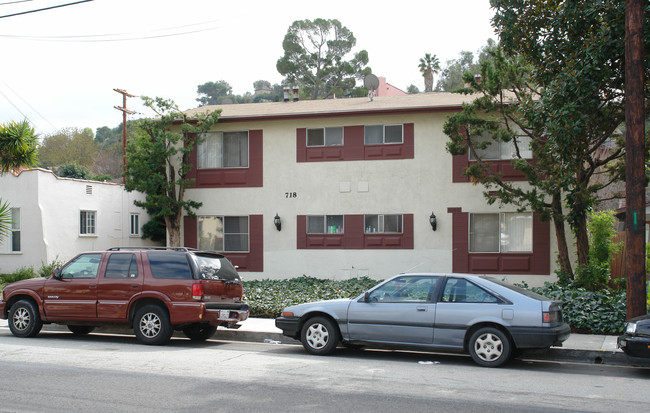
184 249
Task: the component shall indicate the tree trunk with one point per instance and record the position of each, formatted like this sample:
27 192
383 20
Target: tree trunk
428 82
582 241
173 231
560 235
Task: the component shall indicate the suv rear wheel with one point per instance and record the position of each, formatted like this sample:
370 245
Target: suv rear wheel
151 325
24 320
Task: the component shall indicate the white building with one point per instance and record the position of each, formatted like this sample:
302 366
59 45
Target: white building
56 218
355 183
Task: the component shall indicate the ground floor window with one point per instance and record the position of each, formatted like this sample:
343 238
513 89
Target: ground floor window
502 232
222 233
88 223
15 229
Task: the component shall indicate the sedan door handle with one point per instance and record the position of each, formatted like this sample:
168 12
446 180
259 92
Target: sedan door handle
421 308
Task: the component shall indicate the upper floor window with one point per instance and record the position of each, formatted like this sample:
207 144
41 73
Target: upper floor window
220 233
135 225
223 150
325 137
380 134
497 150
88 223
383 223
325 224
502 232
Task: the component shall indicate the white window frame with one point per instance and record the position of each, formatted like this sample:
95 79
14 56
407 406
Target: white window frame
222 225
380 229
383 142
327 229
87 223
502 236
325 133
203 149
134 224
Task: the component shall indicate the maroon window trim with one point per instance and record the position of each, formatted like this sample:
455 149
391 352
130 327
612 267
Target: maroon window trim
537 262
354 237
501 167
354 149
251 261
233 177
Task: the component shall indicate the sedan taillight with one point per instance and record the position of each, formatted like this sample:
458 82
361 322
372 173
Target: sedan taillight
197 291
550 317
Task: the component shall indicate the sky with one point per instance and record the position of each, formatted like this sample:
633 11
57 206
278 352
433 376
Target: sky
59 67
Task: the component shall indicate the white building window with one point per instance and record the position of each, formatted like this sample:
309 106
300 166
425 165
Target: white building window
223 150
220 233
502 232
88 223
382 134
325 137
497 150
383 224
325 224
15 230
135 225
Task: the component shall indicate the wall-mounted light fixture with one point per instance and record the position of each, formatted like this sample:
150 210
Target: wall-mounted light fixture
433 221
277 222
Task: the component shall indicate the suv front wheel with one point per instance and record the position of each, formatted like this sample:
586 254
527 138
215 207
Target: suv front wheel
151 325
24 320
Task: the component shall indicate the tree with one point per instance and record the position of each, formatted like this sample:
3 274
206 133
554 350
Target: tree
451 77
412 90
558 84
314 58
72 170
18 148
158 162
68 145
429 66
213 93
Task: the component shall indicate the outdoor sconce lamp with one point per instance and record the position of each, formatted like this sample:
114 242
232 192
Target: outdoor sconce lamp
433 221
277 222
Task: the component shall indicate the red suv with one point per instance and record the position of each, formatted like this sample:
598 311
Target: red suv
155 290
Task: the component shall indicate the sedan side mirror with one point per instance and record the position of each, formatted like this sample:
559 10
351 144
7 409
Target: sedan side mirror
366 297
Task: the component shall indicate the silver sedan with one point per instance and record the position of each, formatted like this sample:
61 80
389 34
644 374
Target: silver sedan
479 315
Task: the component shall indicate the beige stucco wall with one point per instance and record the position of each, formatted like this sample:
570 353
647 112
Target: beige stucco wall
419 186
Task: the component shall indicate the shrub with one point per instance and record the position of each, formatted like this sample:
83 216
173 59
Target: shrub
595 275
21 274
268 298
595 312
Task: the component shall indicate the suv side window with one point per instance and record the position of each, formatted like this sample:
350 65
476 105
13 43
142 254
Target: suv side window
84 266
122 266
169 265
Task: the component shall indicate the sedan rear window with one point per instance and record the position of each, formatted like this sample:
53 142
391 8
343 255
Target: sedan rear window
169 265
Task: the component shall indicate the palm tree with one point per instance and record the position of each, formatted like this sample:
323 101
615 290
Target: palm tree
429 66
18 147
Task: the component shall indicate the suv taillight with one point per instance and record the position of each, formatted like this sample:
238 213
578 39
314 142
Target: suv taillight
197 291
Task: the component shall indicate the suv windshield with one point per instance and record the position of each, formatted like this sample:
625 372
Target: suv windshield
215 267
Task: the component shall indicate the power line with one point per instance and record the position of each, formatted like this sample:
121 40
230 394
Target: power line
27 103
97 38
14 2
44 8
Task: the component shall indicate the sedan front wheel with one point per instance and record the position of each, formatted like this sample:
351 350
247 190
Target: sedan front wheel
489 347
319 336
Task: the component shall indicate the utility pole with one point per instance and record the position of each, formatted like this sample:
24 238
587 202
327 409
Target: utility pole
124 111
634 160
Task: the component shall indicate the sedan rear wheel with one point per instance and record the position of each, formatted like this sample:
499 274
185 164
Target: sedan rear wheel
489 347
320 336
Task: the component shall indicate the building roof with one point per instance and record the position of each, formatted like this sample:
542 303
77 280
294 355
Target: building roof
421 102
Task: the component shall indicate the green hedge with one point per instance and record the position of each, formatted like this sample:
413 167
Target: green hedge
268 298
600 312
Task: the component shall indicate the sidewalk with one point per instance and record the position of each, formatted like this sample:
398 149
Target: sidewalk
578 348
